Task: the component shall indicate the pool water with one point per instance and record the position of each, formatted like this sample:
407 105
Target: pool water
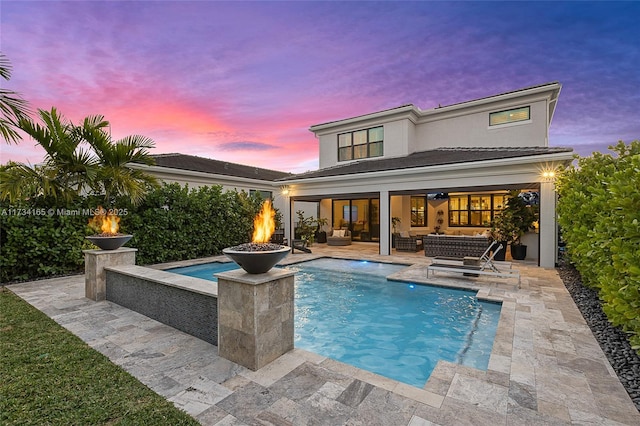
205 271
348 311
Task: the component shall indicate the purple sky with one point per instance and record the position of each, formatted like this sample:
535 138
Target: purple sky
243 81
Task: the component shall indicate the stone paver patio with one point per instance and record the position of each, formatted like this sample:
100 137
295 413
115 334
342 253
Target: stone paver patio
545 368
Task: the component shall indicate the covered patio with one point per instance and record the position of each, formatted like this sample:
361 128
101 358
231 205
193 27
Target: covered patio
365 197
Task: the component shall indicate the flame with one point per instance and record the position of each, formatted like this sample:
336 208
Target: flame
107 223
264 224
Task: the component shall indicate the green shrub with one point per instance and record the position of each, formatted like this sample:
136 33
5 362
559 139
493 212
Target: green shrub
36 241
175 223
599 213
172 223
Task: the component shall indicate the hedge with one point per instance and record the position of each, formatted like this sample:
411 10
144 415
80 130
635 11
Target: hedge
599 214
43 238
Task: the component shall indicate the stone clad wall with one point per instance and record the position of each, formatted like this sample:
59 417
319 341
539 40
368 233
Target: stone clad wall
256 316
194 312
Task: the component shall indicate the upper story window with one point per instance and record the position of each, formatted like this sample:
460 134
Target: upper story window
365 143
510 116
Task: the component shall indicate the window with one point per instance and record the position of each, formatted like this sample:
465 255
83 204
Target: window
474 209
510 116
418 211
266 195
365 143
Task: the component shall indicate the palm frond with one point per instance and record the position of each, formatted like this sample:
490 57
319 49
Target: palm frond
12 107
20 182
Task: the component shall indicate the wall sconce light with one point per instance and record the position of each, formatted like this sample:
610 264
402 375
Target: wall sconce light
548 173
284 190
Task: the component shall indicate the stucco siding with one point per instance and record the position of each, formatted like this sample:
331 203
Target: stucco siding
328 150
473 130
398 136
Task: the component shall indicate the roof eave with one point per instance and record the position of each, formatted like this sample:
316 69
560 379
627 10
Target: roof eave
552 88
408 110
557 157
216 176
411 111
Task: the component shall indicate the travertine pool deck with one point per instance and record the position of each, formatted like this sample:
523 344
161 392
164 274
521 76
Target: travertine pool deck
545 368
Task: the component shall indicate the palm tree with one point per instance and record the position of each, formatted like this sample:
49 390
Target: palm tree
113 177
12 107
66 168
79 159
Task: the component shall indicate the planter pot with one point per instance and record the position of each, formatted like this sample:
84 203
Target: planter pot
518 252
322 237
502 253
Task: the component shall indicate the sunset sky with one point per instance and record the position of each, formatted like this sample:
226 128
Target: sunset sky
244 81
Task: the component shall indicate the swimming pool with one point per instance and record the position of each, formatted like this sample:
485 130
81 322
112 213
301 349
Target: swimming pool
348 311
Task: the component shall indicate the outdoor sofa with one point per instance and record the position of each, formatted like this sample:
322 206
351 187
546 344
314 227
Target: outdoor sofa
456 246
339 237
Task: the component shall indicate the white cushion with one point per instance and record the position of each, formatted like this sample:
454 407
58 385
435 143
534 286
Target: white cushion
404 234
338 233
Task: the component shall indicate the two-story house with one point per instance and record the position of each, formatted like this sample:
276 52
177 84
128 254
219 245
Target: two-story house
446 169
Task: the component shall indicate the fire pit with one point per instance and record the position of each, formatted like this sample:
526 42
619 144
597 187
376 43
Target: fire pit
259 256
109 242
108 223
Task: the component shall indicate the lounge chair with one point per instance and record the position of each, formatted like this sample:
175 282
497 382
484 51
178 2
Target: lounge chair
300 245
485 260
483 265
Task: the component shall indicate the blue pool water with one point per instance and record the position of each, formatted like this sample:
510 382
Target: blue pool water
348 311
205 271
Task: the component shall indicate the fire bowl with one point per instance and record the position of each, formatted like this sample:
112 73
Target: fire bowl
256 261
109 242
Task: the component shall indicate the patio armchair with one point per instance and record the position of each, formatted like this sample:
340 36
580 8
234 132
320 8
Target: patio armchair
408 243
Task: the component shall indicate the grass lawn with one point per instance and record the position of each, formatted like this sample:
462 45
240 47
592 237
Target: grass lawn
49 376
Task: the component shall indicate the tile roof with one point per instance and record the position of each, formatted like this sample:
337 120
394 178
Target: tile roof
208 165
433 157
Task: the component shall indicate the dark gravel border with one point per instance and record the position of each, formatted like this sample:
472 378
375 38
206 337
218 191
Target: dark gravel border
613 341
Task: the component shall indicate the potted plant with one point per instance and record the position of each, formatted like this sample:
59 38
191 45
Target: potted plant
305 229
512 223
321 234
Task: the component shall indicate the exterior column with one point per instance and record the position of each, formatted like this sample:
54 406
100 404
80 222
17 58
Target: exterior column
255 316
385 224
95 277
548 225
289 231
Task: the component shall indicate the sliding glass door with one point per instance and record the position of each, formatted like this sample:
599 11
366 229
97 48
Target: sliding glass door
360 216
